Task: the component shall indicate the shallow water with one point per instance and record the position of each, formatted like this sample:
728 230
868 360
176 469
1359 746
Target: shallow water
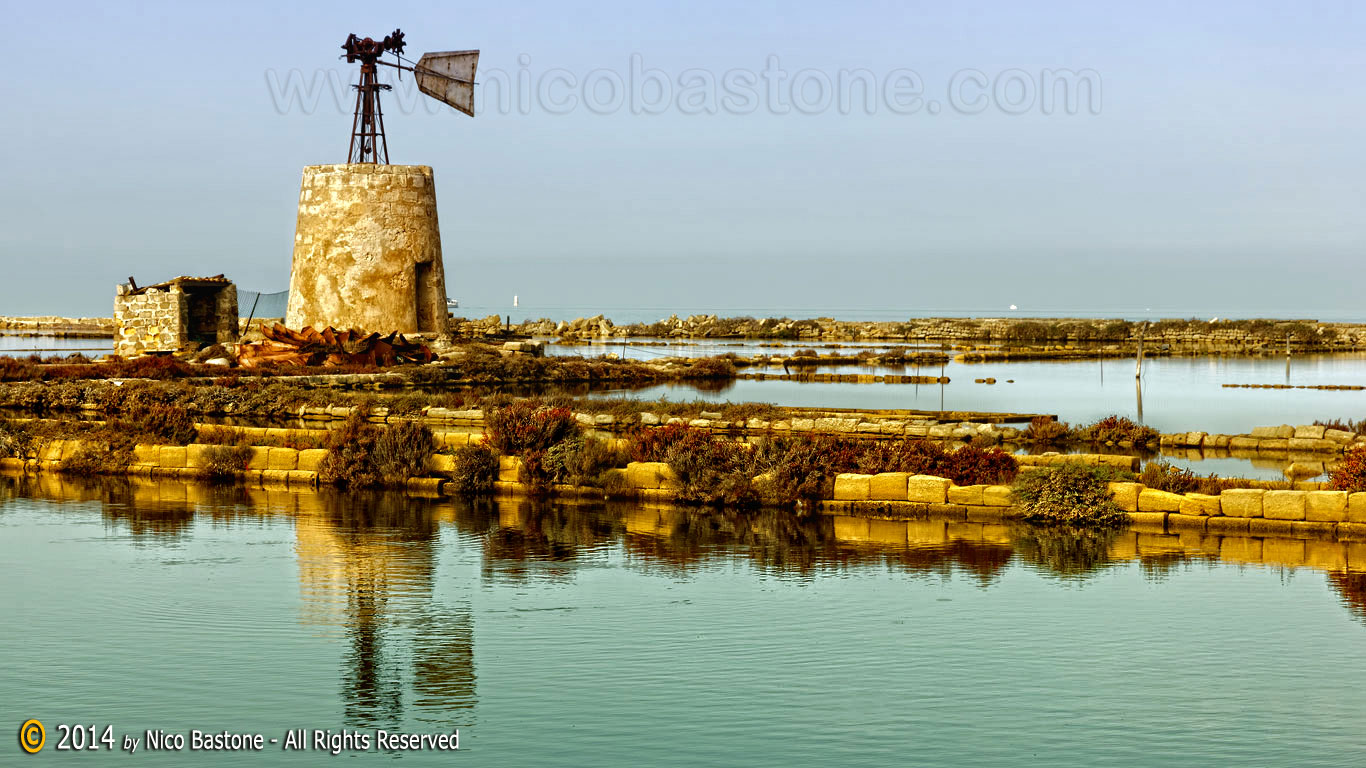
48 346
1178 393
559 634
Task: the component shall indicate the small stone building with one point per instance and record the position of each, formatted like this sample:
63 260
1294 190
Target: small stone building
180 314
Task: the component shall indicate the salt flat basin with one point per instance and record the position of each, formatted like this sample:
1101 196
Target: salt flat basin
1179 394
627 635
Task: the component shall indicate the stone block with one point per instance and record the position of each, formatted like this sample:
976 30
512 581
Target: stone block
1201 504
1151 500
1273 445
1339 436
1284 505
1309 432
509 467
260 458
1283 431
1356 507
850 486
441 463
997 496
1312 445
1195 439
1243 443
1260 526
1242 502
146 454
1126 495
1325 506
966 494
171 457
1228 525
887 486
311 458
1179 522
927 489
1149 520
282 459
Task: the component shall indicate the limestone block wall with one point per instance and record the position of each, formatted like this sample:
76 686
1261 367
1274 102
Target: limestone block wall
367 250
154 321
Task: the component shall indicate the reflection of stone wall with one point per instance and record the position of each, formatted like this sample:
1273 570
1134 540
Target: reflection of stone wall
367 250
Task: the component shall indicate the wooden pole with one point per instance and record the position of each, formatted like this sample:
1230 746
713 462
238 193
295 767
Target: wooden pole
1138 359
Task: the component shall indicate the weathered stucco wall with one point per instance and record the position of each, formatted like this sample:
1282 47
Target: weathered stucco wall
367 250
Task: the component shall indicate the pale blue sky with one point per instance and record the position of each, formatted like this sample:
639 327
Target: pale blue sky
1224 171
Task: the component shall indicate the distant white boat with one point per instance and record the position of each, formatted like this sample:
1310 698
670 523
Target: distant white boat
452 303
514 301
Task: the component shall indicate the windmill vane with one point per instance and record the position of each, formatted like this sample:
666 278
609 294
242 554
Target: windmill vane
447 77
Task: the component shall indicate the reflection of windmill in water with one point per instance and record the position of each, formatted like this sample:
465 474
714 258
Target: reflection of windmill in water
365 567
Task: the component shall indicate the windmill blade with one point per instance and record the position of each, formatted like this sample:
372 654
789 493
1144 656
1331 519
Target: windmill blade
448 77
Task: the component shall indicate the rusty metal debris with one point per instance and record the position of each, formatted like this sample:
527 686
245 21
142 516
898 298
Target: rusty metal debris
330 347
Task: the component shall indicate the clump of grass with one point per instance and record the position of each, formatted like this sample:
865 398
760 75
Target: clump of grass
1045 431
1161 476
525 426
1346 425
109 456
476 467
1118 429
712 368
15 441
165 424
583 461
1350 473
402 451
224 462
362 455
1069 494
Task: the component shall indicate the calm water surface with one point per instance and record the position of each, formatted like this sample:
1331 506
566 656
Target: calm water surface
1178 393
568 635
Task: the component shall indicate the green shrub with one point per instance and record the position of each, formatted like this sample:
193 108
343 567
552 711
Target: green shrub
971 465
583 461
1045 431
1116 429
1161 476
711 368
165 424
402 451
15 441
475 470
1350 473
223 462
713 472
653 443
527 426
1069 494
349 460
100 457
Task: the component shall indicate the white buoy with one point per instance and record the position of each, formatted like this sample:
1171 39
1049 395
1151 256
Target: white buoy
514 300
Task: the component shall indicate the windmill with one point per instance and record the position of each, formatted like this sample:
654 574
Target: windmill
447 76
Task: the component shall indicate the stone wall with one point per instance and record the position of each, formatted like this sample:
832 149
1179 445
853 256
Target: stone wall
367 250
152 321
173 317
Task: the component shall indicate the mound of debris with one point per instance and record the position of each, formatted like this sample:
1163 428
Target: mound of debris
329 347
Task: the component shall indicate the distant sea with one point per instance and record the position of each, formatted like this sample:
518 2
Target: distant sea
623 315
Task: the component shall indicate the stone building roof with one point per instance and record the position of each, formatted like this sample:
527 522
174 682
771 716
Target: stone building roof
182 281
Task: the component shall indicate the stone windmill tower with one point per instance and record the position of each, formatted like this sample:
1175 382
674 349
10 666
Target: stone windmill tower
367 247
